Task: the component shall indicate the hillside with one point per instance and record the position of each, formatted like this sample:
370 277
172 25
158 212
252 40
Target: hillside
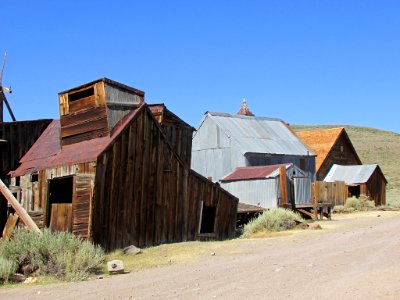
373 146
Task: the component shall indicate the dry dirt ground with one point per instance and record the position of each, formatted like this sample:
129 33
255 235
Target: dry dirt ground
353 257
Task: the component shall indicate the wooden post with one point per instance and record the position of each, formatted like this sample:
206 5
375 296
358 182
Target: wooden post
23 215
282 184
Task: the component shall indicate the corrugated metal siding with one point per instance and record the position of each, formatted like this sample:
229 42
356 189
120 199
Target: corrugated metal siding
350 174
302 190
245 142
263 192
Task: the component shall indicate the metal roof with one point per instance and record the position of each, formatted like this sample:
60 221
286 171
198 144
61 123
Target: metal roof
257 172
261 135
47 152
350 174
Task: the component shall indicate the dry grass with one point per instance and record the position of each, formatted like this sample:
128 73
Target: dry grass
167 254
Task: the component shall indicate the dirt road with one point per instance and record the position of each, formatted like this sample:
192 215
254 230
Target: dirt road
356 257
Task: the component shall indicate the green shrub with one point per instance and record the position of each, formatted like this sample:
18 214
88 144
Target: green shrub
62 255
277 219
352 202
7 268
361 203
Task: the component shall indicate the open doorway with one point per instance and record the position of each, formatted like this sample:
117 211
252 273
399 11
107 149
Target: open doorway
59 204
207 219
354 191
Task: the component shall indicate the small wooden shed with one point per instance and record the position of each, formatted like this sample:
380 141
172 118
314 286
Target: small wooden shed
332 146
108 172
365 180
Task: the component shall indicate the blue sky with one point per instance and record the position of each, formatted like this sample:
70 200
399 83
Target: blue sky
306 62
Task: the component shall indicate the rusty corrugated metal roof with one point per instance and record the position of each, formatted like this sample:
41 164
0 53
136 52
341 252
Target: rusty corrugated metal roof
47 152
257 172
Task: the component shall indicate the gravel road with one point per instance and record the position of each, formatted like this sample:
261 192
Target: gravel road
353 257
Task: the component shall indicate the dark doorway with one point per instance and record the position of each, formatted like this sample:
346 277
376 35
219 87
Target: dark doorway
59 207
354 191
207 219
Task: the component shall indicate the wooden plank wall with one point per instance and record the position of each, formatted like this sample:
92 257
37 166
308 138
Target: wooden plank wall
336 156
84 118
329 192
144 195
375 188
33 196
20 137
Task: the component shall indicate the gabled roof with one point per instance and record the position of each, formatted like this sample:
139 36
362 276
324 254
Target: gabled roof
47 152
160 111
355 174
257 172
322 141
260 135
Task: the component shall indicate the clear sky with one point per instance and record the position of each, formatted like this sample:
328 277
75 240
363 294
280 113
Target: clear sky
306 62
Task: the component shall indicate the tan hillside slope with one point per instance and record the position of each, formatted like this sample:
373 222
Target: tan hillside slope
373 146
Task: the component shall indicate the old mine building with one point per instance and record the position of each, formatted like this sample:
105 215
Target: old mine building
112 171
332 146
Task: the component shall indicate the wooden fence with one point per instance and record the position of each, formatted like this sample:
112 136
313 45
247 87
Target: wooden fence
334 193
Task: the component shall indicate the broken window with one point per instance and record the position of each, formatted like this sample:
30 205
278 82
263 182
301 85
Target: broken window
81 94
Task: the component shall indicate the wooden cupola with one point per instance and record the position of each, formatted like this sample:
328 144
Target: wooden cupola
92 110
244 109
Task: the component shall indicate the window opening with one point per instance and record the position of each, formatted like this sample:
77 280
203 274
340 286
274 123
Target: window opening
81 94
35 177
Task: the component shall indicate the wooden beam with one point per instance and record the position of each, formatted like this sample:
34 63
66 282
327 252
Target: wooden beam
282 184
10 225
25 218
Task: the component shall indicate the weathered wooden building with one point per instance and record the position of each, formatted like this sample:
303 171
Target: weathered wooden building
332 146
365 180
178 132
15 140
261 186
110 172
224 142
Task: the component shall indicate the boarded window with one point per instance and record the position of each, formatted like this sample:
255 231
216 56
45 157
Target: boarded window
207 219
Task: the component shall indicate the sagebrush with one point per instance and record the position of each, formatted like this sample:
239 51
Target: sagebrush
61 254
276 219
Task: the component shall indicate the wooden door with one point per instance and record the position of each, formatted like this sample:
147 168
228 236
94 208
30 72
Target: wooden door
61 217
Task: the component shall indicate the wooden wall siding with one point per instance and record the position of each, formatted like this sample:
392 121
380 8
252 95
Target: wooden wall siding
81 204
33 196
329 192
20 137
85 118
180 137
375 188
337 156
144 195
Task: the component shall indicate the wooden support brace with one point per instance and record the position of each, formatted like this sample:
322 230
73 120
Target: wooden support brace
21 212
